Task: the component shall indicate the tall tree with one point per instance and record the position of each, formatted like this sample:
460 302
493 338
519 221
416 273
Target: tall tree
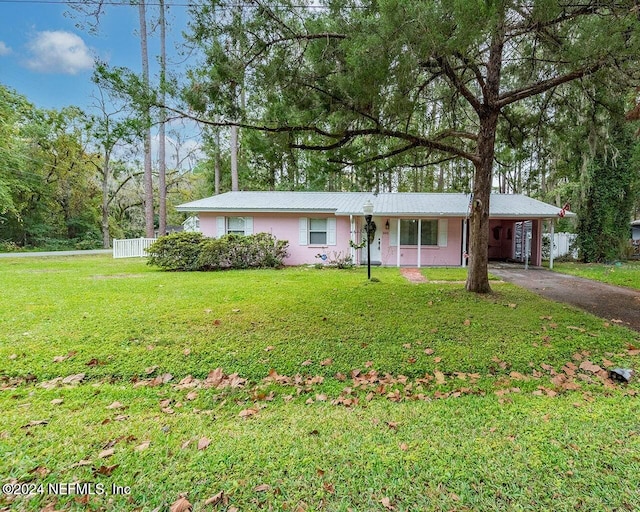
148 175
343 71
162 164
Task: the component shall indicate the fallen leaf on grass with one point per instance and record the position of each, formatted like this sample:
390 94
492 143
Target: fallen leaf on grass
35 423
116 405
181 505
105 470
73 379
404 447
203 443
142 446
588 366
217 498
192 395
467 322
186 351
269 348
306 363
57 401
151 369
106 453
262 488
429 351
40 471
386 503
440 378
327 362
246 413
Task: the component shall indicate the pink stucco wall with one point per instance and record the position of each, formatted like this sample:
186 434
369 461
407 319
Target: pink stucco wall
451 255
286 227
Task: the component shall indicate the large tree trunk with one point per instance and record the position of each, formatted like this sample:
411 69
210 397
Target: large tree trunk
477 277
162 164
234 158
148 178
216 163
106 176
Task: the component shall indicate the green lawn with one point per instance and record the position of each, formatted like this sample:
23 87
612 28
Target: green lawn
349 395
622 274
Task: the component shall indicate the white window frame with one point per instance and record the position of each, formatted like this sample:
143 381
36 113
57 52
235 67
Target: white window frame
305 231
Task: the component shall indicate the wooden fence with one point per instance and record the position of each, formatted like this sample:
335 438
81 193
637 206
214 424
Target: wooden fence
132 248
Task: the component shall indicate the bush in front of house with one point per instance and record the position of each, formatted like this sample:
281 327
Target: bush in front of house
261 250
193 251
177 251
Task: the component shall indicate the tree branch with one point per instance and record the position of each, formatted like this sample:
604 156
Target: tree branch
531 90
458 84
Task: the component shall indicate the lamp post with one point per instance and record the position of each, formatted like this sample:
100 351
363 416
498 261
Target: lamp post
367 209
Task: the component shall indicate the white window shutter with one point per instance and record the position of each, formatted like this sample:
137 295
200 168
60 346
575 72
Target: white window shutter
248 225
303 231
331 231
220 221
393 232
443 227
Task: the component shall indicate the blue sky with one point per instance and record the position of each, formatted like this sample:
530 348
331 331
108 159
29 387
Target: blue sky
45 57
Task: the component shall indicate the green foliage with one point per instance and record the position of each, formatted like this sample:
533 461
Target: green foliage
613 179
177 251
260 250
192 251
335 259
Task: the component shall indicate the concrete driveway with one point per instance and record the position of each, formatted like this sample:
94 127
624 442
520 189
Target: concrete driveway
604 300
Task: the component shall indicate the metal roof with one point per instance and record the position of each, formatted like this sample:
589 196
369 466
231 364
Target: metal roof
396 204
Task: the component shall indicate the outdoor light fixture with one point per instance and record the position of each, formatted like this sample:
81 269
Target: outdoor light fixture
367 209
386 225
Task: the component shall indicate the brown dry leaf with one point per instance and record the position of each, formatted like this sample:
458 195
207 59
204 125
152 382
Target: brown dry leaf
13 356
246 413
203 443
59 359
192 395
215 499
73 379
57 401
327 362
440 378
142 446
262 488
151 369
386 503
437 359
467 322
35 423
40 471
321 398
186 351
306 363
404 447
105 470
329 487
588 366
181 505
269 348
513 306
429 351
116 405
106 453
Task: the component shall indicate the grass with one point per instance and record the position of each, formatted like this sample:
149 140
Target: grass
621 274
468 417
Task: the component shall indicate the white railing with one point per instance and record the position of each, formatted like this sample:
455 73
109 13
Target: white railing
132 248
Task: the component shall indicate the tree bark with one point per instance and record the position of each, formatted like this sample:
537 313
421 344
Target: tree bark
216 163
106 176
148 178
162 164
234 158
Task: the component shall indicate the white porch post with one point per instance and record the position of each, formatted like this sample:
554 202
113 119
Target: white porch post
398 245
464 243
551 243
352 234
419 241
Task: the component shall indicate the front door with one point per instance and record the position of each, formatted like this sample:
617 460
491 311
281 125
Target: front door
376 244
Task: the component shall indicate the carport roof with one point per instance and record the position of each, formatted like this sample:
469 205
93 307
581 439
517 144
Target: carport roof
397 204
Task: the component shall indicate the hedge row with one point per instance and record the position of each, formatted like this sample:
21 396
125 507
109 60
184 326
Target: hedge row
193 251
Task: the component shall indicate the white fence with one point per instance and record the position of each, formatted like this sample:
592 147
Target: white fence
563 245
132 248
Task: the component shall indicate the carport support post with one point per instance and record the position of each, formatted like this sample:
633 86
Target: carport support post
551 243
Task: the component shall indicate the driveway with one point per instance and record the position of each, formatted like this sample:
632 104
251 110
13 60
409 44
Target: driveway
54 253
604 300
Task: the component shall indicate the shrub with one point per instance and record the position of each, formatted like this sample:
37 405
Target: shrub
336 259
192 251
261 250
177 251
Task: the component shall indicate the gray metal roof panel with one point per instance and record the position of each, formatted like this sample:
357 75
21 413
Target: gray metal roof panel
385 204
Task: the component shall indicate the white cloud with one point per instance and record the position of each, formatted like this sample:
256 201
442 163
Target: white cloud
4 49
58 52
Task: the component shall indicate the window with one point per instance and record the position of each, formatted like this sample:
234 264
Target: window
235 226
318 231
409 232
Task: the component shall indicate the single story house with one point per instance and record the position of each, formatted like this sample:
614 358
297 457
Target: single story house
411 229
